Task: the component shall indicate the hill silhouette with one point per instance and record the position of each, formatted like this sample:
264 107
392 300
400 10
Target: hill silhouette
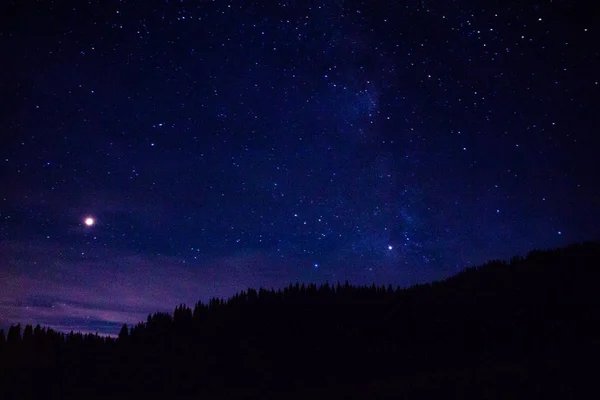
528 328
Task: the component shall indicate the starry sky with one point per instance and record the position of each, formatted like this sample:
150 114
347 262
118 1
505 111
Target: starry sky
221 145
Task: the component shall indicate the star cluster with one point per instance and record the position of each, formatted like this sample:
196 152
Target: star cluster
217 145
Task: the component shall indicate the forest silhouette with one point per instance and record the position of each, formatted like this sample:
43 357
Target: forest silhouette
527 328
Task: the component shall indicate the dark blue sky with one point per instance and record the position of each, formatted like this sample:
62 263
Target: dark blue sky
225 144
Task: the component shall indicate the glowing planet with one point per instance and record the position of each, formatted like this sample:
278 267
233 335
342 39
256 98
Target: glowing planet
89 221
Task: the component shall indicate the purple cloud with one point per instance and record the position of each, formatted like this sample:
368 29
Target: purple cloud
101 288
45 284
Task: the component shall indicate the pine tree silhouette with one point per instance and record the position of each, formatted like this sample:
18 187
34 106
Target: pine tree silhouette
14 335
124 333
2 340
535 317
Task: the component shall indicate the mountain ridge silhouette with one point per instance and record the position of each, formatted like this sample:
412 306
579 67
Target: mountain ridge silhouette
523 328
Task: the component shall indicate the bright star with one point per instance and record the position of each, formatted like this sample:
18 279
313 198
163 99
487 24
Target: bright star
89 221
390 247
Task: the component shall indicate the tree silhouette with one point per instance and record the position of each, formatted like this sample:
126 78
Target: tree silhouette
483 330
14 335
124 333
28 334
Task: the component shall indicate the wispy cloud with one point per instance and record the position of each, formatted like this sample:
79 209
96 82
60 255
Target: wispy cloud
101 288
44 283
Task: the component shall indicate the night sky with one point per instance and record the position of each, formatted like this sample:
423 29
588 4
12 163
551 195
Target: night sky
221 145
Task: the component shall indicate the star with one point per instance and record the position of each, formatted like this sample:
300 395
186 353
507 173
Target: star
302 165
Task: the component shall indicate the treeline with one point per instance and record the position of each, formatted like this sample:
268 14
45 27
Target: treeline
521 328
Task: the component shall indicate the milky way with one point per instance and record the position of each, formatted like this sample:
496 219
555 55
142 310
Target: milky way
220 145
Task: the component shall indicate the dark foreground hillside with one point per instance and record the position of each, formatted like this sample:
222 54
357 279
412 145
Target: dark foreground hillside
525 329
